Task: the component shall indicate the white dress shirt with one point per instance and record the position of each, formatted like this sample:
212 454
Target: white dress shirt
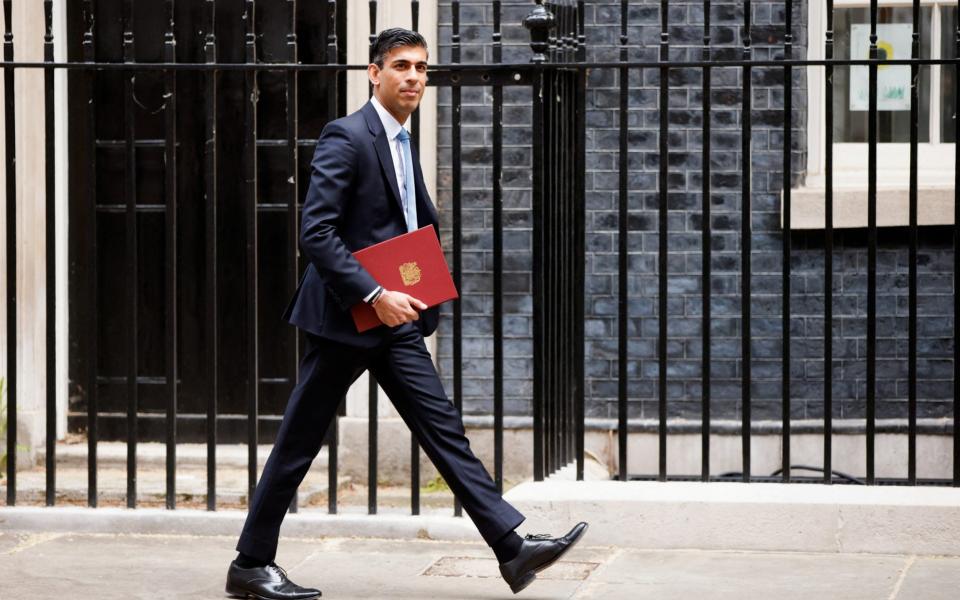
392 128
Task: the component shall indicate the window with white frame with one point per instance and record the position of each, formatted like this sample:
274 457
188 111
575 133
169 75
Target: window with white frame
937 115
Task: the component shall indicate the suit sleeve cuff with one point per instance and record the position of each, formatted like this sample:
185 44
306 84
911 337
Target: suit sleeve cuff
372 294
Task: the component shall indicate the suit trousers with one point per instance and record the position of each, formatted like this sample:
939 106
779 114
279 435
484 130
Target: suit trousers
404 369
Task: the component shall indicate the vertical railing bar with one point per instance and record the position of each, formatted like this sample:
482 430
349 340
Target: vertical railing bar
497 258
555 205
333 444
871 244
131 255
570 273
210 250
91 322
568 240
556 212
293 192
662 239
567 272
553 209
563 223
622 264
549 212
51 259
912 300
745 240
539 19
956 267
170 184
562 237
337 50
558 234
11 268
371 35
556 264
455 106
828 256
563 345
332 435
554 130
559 203
547 258
250 173
538 279
580 235
371 444
414 445
706 255
372 394
787 181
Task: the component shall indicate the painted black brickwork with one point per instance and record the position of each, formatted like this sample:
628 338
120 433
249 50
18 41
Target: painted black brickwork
684 320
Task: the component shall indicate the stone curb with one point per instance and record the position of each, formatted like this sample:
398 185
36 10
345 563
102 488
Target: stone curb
305 524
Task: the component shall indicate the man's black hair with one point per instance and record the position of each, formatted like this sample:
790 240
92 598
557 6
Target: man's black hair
388 39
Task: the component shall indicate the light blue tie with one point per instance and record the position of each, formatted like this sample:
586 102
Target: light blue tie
409 195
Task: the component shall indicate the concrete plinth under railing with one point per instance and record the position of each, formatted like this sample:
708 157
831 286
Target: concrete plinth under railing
755 516
644 515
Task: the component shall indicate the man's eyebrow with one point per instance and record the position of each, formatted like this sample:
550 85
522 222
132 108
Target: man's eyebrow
404 60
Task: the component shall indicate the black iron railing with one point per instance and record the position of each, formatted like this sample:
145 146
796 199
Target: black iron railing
557 78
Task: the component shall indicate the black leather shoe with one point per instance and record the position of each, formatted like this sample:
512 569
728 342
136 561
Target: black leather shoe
536 554
265 583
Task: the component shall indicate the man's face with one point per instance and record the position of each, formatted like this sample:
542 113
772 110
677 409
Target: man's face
399 85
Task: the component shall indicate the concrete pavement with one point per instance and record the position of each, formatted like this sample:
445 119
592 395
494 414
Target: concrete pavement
105 566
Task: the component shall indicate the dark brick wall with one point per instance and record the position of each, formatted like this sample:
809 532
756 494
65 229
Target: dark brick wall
685 258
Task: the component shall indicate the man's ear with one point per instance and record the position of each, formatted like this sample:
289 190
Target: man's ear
373 74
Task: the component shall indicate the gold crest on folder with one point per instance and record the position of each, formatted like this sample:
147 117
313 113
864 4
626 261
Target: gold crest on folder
410 273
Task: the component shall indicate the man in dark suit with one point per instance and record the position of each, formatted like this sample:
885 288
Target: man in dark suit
366 186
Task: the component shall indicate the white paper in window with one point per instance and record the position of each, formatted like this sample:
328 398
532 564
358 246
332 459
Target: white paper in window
893 81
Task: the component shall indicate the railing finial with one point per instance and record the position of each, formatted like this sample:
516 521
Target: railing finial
540 21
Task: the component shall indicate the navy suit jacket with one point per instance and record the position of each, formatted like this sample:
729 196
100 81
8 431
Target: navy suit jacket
353 201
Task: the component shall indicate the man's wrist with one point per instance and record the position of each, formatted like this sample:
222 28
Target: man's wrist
377 295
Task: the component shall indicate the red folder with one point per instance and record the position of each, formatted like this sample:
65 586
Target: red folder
411 263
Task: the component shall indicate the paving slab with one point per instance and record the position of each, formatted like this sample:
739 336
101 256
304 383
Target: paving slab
406 570
931 578
720 575
119 567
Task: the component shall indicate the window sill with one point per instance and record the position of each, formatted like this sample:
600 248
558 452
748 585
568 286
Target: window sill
934 207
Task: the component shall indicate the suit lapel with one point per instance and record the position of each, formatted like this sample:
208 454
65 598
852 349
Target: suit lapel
422 188
382 147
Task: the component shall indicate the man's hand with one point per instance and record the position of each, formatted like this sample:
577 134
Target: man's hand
396 308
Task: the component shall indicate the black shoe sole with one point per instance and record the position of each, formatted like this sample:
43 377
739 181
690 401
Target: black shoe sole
528 578
241 593
524 581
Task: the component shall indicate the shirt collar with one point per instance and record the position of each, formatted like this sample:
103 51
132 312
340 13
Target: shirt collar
390 125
